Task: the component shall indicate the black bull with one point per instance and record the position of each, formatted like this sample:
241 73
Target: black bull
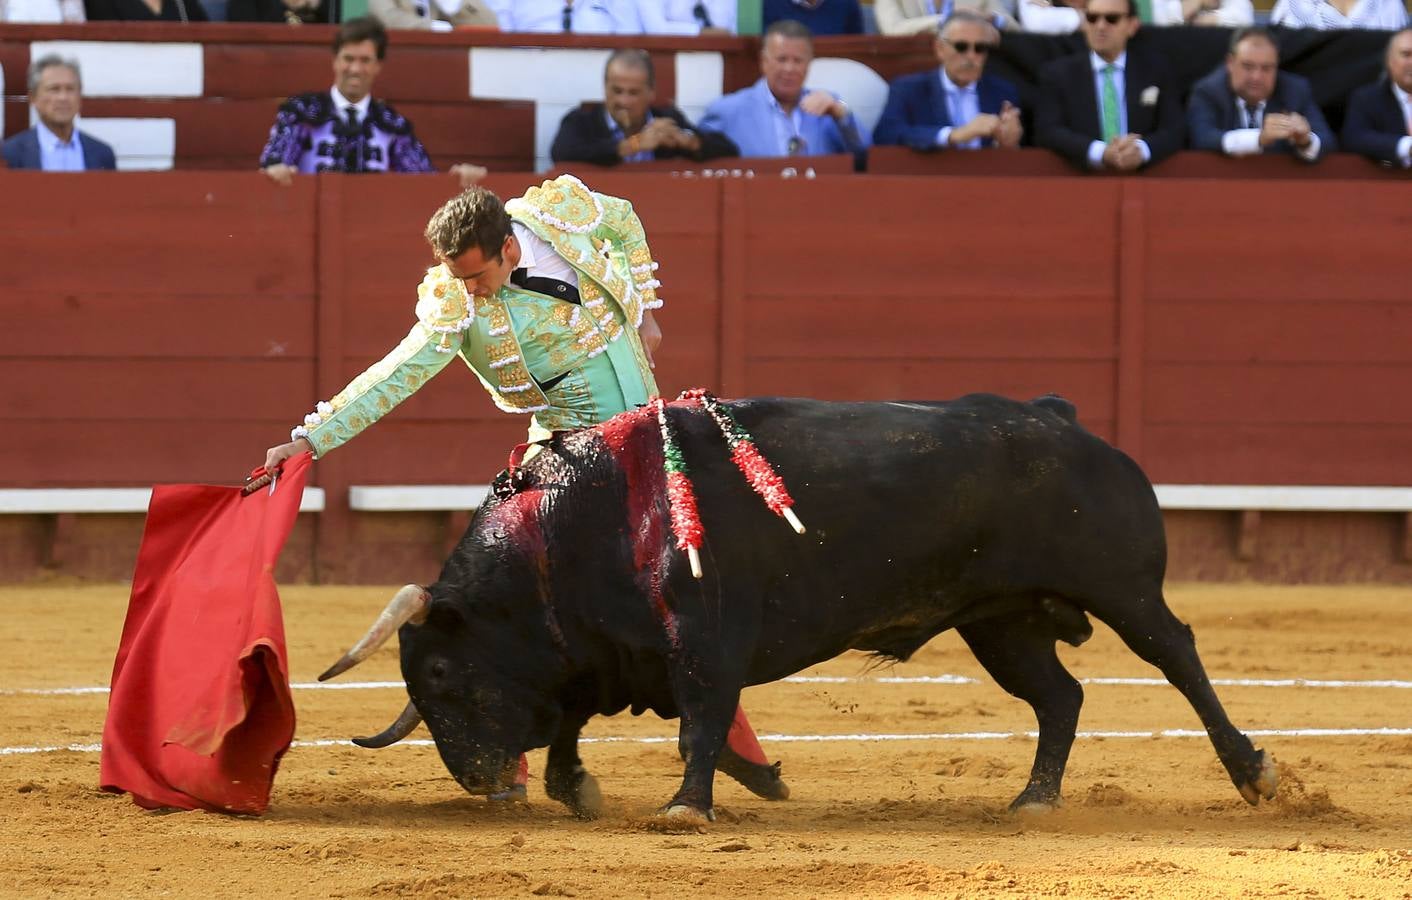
567 598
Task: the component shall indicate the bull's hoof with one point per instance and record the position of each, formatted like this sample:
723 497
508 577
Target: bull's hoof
682 813
759 779
1022 807
513 794
1263 787
587 802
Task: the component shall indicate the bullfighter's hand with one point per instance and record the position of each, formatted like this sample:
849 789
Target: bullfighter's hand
280 174
651 336
468 174
275 456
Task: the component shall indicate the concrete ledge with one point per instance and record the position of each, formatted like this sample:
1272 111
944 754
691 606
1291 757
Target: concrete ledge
1284 498
38 501
416 497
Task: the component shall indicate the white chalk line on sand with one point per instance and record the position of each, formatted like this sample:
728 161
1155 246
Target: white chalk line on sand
848 738
828 679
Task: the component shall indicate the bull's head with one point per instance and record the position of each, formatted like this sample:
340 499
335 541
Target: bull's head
471 675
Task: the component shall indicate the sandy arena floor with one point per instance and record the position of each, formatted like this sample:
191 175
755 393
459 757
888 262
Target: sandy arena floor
1146 816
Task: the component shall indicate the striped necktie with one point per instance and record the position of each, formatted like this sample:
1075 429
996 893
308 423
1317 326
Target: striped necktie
1111 122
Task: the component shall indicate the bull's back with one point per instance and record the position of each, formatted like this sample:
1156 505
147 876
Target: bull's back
919 515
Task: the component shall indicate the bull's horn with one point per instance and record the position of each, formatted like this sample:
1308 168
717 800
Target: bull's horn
395 732
408 605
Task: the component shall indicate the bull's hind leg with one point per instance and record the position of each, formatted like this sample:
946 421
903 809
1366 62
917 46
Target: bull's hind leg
1018 652
1159 637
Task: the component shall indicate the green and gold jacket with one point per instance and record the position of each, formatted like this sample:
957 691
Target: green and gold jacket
518 339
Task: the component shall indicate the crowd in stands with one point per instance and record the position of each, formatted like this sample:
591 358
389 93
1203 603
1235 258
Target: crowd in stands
1110 106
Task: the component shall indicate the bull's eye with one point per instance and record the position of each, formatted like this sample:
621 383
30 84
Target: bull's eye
438 670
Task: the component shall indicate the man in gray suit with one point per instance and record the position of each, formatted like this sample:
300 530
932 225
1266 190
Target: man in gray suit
54 144
1248 106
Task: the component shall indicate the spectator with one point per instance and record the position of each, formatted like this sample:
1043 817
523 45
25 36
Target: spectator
146 10
344 129
432 15
957 105
1336 15
1046 17
46 12
902 17
777 115
627 127
54 144
1249 106
1378 121
1221 13
684 17
822 17
287 12
567 16
1109 108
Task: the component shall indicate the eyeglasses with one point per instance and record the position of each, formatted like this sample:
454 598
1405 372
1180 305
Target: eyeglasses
967 46
1110 18
796 146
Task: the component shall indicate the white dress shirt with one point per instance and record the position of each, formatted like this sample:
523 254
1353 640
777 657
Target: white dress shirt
1230 14
679 16
586 17
341 104
788 125
1120 72
56 155
1245 141
539 259
1389 15
1041 17
964 104
1404 146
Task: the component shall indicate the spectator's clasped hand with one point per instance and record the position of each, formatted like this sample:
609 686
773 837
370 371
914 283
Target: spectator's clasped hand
1003 128
468 175
822 103
1123 153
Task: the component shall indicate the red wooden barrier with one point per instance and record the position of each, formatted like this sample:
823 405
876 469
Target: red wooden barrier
169 327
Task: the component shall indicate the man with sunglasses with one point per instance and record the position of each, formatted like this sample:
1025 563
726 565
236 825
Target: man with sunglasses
778 115
1110 109
1248 106
956 106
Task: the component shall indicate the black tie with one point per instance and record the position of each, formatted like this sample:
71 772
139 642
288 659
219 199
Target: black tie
568 15
702 16
519 277
351 143
1252 115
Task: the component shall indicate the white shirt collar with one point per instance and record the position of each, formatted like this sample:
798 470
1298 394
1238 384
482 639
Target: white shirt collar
952 87
341 103
1098 62
51 140
1402 96
523 236
774 101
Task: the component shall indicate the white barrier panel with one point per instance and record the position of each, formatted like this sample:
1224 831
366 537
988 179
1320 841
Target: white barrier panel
35 501
861 88
556 80
140 144
699 80
130 69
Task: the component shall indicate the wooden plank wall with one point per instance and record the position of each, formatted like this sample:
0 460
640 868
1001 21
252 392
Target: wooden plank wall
169 327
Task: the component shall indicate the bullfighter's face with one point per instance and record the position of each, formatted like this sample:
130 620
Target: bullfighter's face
483 277
477 694
355 67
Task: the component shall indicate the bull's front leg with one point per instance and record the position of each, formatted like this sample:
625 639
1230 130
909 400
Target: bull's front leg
705 721
565 778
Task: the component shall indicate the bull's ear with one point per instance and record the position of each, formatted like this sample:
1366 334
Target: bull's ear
443 613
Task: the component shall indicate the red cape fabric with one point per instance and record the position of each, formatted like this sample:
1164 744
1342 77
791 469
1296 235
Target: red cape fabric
200 710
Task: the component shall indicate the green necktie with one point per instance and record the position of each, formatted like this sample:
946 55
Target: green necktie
1111 126
1144 11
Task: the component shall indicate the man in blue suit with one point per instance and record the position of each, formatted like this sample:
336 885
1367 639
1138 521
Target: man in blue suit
956 105
1248 106
54 144
1378 123
777 115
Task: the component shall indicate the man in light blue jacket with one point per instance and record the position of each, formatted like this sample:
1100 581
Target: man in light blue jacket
777 115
